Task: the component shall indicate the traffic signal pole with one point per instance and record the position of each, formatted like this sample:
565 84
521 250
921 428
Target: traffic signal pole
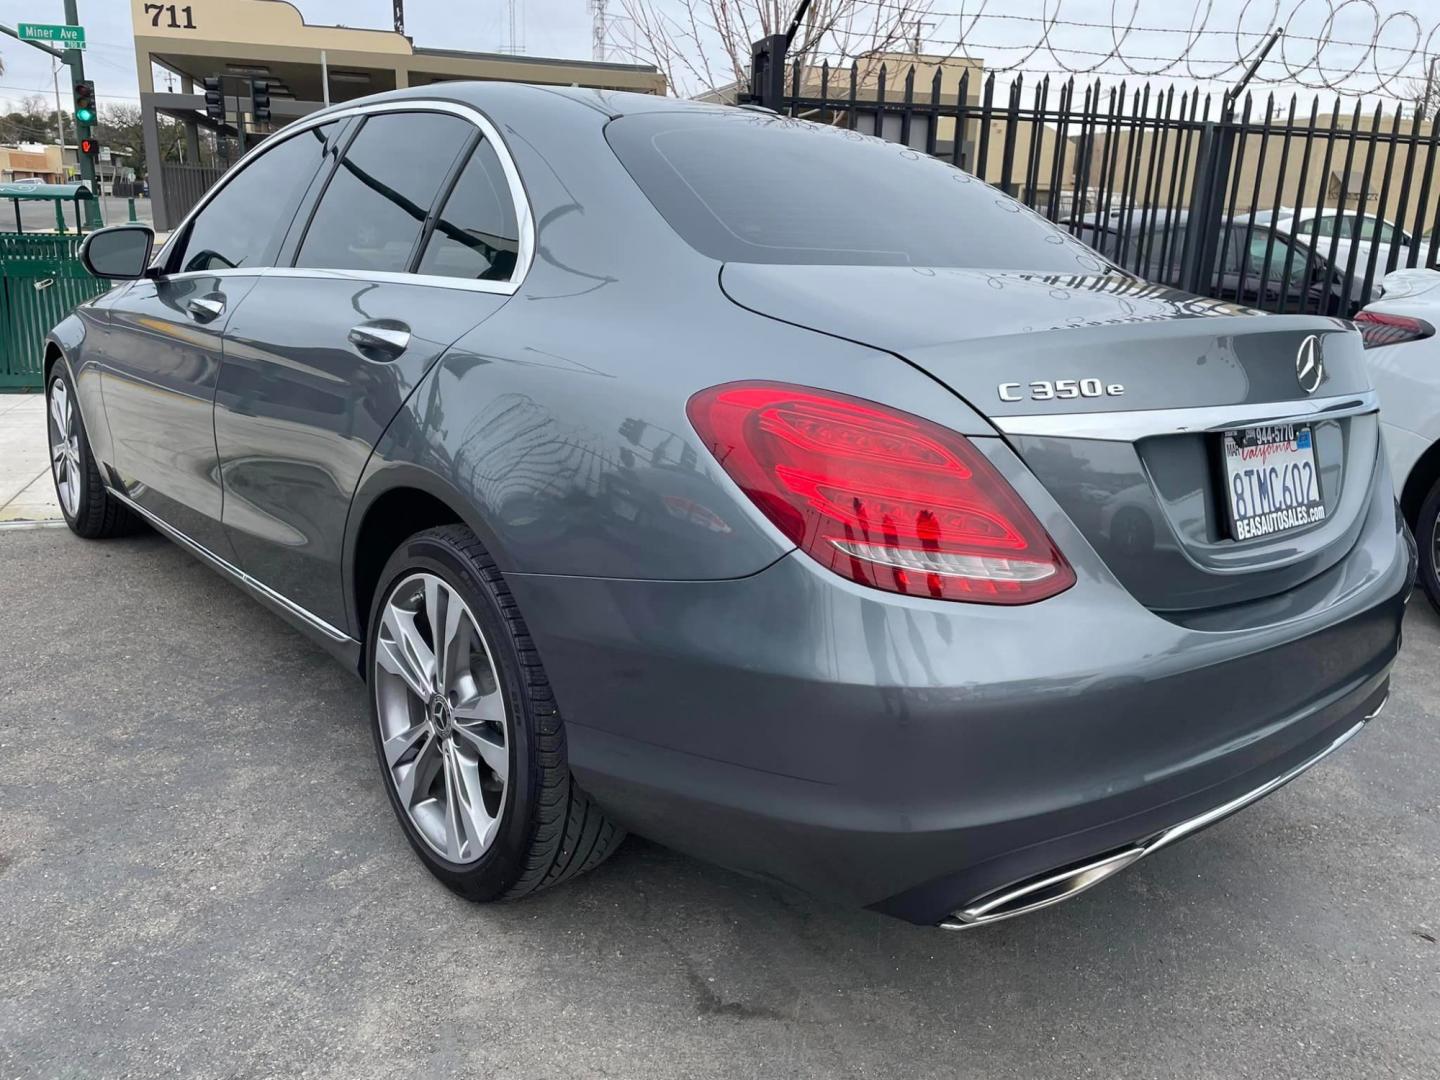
75 59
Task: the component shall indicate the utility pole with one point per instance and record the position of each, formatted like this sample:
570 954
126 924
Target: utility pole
75 58
60 117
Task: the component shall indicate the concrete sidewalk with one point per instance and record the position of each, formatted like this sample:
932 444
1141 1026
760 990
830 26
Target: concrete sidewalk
27 494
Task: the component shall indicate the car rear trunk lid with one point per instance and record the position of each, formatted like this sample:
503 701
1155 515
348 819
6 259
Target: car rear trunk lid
1117 395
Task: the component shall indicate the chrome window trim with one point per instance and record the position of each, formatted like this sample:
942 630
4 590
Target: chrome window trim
524 216
255 586
435 281
1143 423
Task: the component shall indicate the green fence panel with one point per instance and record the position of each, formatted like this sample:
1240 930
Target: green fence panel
41 281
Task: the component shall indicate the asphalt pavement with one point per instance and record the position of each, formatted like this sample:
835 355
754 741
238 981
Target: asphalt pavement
200 876
40 216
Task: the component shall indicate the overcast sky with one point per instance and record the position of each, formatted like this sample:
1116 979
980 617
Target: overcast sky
1004 35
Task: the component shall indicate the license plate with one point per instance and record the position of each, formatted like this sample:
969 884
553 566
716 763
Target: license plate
1271 480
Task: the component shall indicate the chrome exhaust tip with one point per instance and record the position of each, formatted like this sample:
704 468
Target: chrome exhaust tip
1060 884
1041 892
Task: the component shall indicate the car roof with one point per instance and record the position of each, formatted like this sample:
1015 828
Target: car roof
627 102
498 95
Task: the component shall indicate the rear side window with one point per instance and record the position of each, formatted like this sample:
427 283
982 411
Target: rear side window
476 235
376 203
744 187
243 225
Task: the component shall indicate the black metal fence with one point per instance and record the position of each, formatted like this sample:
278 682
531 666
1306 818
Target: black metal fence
185 185
1275 205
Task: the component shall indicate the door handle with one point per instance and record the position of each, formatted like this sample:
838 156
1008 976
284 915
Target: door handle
380 341
206 308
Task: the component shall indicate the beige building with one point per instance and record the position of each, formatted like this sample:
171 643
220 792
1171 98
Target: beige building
1326 176
31 160
305 66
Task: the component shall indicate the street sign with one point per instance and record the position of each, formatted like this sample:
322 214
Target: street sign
67 37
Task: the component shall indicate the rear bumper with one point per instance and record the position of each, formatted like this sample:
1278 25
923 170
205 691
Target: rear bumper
916 756
1061 883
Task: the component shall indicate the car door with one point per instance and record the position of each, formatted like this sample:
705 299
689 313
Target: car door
413 241
163 350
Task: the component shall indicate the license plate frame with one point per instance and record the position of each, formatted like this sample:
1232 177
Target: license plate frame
1272 480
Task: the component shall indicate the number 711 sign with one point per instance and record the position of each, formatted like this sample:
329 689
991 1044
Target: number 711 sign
176 17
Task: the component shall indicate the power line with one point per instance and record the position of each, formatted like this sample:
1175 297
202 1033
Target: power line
42 92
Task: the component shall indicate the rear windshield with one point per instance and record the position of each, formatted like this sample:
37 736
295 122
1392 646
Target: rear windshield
747 187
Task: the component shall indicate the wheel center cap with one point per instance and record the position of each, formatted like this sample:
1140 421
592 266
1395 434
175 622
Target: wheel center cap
439 710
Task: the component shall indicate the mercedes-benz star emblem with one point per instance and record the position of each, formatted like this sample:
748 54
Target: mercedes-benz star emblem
1310 364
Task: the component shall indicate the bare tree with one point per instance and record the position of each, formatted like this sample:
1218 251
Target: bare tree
1424 92
32 120
702 45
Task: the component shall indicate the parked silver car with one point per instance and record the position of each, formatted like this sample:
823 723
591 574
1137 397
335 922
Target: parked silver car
757 486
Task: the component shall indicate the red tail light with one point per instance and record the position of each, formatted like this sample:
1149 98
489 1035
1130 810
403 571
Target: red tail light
879 496
1378 328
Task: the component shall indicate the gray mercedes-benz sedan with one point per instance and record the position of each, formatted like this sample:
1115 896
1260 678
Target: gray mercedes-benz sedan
777 493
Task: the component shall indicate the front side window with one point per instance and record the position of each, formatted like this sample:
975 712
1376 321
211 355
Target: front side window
744 187
244 224
375 205
476 236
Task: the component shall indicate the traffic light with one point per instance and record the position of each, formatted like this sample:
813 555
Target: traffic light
260 100
84 103
214 99
90 147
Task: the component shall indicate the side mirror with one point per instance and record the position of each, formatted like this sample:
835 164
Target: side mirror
121 252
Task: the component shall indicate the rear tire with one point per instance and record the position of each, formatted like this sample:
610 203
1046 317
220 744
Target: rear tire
89 508
476 770
1427 539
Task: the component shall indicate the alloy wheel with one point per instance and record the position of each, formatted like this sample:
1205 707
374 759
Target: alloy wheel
64 448
1435 549
443 726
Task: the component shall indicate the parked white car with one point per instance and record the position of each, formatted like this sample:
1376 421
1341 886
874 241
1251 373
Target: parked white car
1403 355
1339 227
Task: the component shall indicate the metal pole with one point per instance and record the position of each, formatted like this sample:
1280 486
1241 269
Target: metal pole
33 44
76 59
1233 95
60 119
325 78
